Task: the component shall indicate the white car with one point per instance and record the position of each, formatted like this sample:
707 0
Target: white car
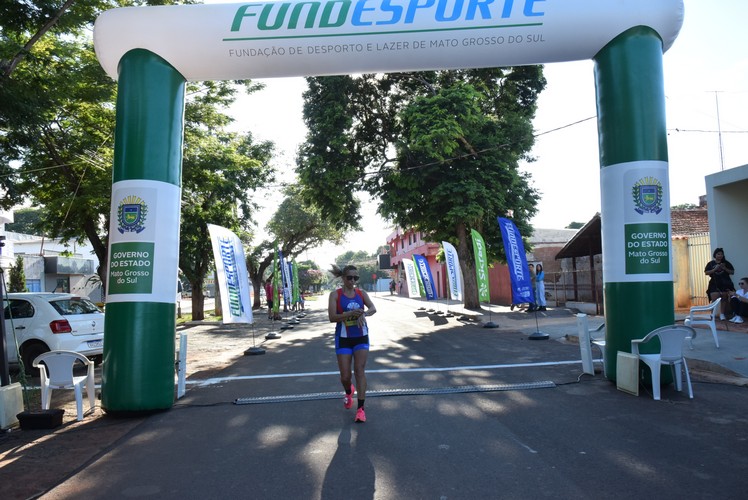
51 321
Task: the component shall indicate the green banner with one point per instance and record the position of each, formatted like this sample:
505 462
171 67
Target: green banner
131 267
295 270
647 248
481 266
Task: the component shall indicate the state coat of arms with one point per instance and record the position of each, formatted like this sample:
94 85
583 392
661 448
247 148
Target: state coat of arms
131 214
647 194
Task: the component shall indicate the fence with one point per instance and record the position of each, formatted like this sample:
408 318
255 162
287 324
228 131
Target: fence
699 254
574 286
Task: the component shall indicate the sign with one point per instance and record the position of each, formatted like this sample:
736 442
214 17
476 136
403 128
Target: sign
519 273
424 271
454 276
333 37
139 268
636 222
231 269
481 266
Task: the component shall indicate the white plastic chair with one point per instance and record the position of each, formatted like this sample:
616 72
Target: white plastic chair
704 315
588 338
671 353
60 365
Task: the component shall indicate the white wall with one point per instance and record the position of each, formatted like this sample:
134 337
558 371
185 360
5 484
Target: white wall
727 204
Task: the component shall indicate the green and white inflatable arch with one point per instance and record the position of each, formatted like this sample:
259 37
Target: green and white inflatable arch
154 51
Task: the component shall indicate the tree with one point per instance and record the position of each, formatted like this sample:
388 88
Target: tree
57 117
457 138
575 225
219 170
57 121
366 264
17 276
61 135
25 221
310 275
294 228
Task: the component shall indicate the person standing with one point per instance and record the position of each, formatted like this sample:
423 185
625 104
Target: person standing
720 285
269 297
532 306
739 301
540 287
346 309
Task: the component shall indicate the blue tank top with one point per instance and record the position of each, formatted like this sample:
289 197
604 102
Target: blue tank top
349 328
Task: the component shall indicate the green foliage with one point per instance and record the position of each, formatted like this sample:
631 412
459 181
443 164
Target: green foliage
684 206
328 160
310 275
355 258
26 221
57 117
575 225
295 228
219 169
17 276
457 137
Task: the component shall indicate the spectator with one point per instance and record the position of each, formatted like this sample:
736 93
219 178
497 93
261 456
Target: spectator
720 285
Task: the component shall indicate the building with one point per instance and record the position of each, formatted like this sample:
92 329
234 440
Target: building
580 284
49 265
406 243
545 243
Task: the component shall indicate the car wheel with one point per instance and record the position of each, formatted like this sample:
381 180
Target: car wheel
29 352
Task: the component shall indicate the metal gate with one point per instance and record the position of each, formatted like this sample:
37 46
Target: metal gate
699 254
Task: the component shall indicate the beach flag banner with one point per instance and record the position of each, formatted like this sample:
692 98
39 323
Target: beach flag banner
411 278
231 269
519 274
426 278
276 283
454 277
295 273
481 266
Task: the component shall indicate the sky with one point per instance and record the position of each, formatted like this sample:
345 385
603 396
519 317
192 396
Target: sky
706 89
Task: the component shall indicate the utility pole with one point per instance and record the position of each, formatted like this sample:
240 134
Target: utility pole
719 132
4 369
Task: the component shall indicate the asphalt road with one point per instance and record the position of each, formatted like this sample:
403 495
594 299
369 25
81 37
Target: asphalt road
455 411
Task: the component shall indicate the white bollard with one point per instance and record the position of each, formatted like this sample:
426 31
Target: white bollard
182 365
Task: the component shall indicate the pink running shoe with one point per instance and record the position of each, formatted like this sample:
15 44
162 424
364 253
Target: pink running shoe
348 399
360 415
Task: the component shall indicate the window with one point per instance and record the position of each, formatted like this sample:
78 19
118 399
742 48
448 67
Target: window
34 285
75 305
63 285
19 309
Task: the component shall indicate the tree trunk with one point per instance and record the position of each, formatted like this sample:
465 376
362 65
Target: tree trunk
257 286
100 249
218 305
467 264
198 300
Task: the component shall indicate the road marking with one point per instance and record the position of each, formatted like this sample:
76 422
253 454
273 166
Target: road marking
219 380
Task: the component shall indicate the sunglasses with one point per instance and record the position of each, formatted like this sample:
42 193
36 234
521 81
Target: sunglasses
352 278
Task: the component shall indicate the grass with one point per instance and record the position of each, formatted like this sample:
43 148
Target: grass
209 316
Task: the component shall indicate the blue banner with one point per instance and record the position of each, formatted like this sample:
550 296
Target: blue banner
517 262
428 282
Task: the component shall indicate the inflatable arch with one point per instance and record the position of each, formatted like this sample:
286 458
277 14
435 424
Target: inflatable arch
154 51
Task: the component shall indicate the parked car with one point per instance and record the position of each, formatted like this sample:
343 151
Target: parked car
51 321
